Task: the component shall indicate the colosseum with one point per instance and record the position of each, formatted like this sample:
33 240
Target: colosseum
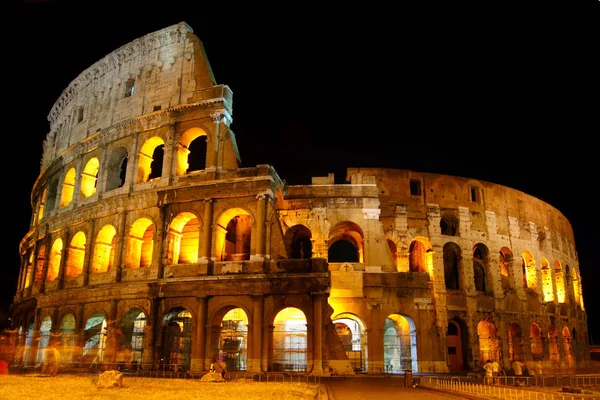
151 248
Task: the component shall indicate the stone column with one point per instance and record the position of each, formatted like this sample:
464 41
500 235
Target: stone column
120 246
199 359
260 250
318 334
88 259
267 346
63 260
255 336
79 334
35 339
160 238
206 246
170 158
112 335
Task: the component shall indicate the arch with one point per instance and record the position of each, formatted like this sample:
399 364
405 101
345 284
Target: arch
44 341
346 243
452 256
506 262
177 336
140 244
191 151
489 341
419 256
233 235
130 340
89 177
399 344
515 342
290 341
481 268
547 287
117 168
394 250
449 224
76 255
96 330
529 270
457 344
54 262
353 333
104 250
537 345
183 238
567 347
233 339
68 188
67 334
298 243
150 159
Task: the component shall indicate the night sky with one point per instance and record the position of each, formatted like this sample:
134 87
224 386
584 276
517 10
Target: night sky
508 96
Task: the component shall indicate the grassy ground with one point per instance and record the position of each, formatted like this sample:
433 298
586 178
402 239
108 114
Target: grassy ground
74 387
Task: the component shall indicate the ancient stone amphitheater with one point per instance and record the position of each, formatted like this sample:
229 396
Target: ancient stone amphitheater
151 248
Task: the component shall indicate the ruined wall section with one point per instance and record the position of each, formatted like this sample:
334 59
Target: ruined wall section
155 72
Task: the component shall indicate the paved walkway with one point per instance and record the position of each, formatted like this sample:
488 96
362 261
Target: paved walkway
382 388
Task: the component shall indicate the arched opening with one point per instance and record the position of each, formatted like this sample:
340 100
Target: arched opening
130 342
104 250
537 346
299 244
197 154
290 341
489 343
506 261
560 282
399 344
457 340
567 347
353 334
553 348
67 335
39 267
452 266
76 255
54 262
515 342
140 244
68 188
150 160
449 224
480 268
44 342
177 340
233 340
233 235
529 270
117 169
394 250
95 340
417 257
89 178
183 239
345 243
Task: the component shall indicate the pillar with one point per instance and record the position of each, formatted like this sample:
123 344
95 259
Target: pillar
255 335
318 334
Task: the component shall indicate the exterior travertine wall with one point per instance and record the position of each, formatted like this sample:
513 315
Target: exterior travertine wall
394 270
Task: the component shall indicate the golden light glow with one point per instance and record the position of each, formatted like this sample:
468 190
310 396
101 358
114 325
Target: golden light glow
183 239
530 270
89 177
145 158
221 230
140 244
183 149
76 255
104 249
68 188
55 257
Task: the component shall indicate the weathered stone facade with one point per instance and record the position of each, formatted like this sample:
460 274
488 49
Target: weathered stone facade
147 233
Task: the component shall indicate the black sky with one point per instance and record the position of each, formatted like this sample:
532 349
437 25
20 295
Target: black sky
505 95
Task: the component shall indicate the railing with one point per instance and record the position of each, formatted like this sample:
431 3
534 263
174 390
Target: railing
503 391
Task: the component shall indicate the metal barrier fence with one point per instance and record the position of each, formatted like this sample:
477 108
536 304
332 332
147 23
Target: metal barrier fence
507 392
